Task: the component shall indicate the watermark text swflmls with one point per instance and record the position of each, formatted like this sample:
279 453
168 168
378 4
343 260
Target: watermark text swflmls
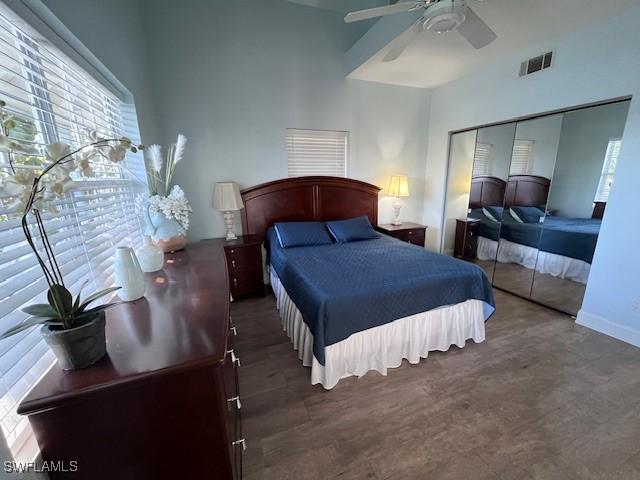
45 466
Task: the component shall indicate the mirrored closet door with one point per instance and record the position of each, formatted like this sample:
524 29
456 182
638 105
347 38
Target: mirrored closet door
536 192
533 160
584 172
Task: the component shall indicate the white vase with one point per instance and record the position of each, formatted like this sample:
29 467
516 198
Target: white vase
150 256
129 276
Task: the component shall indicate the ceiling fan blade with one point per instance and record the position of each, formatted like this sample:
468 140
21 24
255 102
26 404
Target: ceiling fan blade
402 41
380 11
475 31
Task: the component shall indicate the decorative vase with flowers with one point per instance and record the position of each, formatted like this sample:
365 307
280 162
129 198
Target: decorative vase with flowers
71 327
165 210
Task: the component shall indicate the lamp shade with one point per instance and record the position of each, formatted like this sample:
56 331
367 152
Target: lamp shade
398 186
226 197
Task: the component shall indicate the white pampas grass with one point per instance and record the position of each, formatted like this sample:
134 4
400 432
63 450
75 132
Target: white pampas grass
179 150
154 153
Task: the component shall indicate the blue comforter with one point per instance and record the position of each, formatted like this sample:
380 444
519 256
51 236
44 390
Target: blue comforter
570 237
342 289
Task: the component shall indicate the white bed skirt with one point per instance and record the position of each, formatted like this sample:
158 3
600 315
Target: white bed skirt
383 347
544 262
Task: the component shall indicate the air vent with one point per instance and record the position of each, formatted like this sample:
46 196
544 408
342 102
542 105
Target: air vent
536 64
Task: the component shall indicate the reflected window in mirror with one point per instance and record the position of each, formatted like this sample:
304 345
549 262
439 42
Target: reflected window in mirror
608 170
482 159
521 157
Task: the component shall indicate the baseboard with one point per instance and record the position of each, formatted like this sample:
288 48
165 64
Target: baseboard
615 330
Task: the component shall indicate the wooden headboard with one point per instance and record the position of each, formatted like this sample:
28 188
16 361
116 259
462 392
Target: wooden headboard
486 191
526 191
301 199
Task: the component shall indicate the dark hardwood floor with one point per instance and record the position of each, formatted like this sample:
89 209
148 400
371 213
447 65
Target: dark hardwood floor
541 398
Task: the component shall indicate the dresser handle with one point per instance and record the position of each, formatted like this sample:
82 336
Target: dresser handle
233 263
235 332
240 442
410 232
237 360
235 282
233 355
233 251
237 400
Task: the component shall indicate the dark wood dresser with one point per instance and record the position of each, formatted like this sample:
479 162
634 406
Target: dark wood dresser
164 403
408 232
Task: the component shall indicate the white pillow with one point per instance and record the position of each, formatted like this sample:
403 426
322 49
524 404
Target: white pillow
515 216
488 214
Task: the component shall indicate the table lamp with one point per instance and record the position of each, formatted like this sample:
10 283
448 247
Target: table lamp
227 199
398 187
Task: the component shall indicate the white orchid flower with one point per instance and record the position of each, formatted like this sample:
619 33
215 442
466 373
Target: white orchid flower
57 150
7 144
117 154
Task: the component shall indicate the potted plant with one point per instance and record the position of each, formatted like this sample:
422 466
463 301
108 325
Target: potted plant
74 331
165 210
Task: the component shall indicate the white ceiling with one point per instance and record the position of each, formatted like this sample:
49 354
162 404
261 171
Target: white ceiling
434 59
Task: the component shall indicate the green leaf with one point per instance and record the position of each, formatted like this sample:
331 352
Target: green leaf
29 323
96 296
76 304
88 314
60 298
40 310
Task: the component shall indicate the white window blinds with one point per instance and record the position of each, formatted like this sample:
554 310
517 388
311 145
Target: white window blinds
482 159
608 170
317 152
52 99
521 157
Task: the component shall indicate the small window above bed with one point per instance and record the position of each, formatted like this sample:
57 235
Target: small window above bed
608 170
482 159
317 152
521 157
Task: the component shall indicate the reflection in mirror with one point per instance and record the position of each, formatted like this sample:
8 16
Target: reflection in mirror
480 230
461 149
533 157
584 173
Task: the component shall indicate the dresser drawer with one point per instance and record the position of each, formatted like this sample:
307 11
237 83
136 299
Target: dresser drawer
246 281
243 258
415 237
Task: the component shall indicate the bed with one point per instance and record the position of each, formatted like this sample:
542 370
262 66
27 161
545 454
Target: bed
561 246
353 307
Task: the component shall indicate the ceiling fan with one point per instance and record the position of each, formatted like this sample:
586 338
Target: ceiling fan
439 16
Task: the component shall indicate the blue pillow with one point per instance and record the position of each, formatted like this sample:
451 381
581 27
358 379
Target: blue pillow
299 234
353 229
526 214
494 213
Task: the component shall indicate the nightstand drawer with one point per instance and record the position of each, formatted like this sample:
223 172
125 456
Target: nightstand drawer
244 258
246 281
415 237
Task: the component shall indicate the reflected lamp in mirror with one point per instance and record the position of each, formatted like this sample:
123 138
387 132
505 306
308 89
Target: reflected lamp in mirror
398 187
227 199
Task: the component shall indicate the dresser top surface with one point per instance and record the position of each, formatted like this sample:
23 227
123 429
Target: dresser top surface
181 321
403 226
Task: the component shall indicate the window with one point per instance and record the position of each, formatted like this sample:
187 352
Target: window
317 152
608 170
521 157
52 99
482 159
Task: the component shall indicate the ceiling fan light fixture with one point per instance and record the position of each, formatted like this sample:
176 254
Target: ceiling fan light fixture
444 22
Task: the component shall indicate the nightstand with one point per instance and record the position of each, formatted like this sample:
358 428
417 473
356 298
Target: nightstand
413 233
466 245
244 263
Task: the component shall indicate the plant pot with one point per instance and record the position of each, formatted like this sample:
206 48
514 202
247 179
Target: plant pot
166 233
78 347
172 244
